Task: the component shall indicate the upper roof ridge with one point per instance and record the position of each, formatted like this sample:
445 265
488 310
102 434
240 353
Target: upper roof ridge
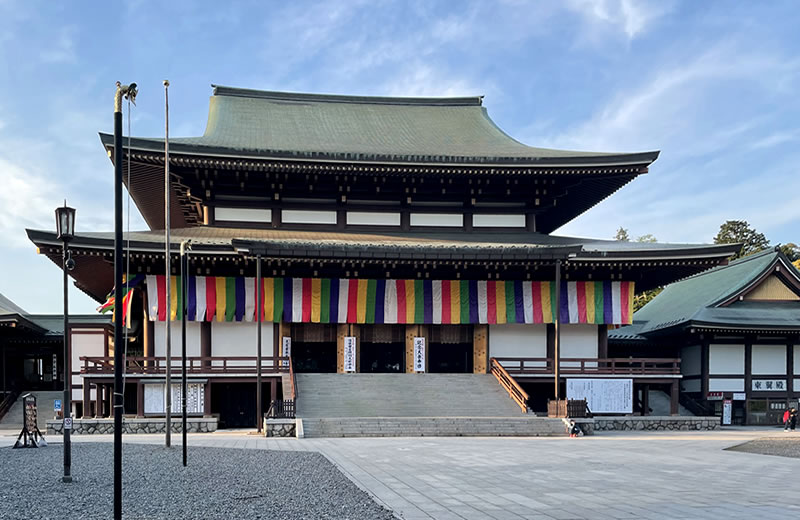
220 90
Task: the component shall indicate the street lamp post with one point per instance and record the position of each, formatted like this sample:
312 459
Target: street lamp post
186 246
65 229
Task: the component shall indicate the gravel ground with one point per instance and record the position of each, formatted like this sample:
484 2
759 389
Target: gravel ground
788 446
218 483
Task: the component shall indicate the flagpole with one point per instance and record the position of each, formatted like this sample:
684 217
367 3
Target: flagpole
168 267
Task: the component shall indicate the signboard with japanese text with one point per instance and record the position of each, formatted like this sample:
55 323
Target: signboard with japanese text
603 395
419 354
769 385
739 396
714 396
727 409
350 354
286 349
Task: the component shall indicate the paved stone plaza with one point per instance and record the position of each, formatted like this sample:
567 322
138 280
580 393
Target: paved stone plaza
650 475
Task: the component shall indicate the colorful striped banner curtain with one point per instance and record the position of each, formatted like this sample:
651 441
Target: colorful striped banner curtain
349 300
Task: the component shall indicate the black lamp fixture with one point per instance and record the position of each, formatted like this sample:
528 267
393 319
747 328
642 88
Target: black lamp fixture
65 223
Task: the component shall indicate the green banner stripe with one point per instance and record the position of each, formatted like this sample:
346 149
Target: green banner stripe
372 289
325 301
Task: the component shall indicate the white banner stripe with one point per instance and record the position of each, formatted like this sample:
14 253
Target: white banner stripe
572 300
616 308
249 298
200 298
390 302
527 300
483 302
437 301
297 300
152 297
344 288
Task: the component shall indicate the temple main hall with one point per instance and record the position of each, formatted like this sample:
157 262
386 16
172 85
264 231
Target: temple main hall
397 238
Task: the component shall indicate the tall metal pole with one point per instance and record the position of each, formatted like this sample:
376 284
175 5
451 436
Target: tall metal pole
260 312
557 322
168 391
184 308
119 348
66 407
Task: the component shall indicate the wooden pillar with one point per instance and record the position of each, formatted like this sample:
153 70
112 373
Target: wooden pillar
602 341
98 401
674 398
342 331
790 370
411 332
646 400
87 399
273 390
205 341
480 349
704 370
748 364
207 403
139 399
355 330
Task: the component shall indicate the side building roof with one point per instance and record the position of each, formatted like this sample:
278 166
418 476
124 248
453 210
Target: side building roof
715 298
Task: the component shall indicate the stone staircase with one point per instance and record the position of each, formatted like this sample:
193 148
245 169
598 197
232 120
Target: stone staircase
433 427
401 405
660 405
44 404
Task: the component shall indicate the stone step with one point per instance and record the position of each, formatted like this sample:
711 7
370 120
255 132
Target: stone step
402 395
432 427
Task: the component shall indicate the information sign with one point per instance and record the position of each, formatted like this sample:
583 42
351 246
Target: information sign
603 395
67 423
350 354
727 409
419 354
286 349
739 396
57 405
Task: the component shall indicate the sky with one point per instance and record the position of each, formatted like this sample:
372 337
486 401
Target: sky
713 85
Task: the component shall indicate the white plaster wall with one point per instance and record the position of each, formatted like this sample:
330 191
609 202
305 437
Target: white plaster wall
796 387
243 214
769 359
192 339
690 385
239 338
83 344
726 385
518 340
373 218
484 220
796 363
578 340
726 359
298 216
437 219
690 361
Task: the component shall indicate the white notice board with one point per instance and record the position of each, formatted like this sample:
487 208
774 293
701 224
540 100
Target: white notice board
350 354
419 354
603 395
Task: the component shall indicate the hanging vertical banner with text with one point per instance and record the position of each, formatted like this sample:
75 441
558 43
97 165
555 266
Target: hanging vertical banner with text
419 354
350 354
727 409
286 350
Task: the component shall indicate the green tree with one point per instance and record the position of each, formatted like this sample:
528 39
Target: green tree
736 231
622 235
791 250
640 299
647 238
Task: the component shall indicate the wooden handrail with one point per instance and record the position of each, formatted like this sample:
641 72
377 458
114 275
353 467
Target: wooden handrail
516 392
194 364
591 366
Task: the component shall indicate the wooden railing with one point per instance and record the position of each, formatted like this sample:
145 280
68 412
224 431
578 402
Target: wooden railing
512 387
281 409
516 366
194 365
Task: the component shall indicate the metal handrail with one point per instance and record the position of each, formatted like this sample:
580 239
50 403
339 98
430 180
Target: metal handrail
7 402
516 392
292 379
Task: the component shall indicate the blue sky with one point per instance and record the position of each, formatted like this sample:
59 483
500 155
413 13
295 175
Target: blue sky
713 85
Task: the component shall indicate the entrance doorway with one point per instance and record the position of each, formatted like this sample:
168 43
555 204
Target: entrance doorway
382 349
235 403
450 349
314 347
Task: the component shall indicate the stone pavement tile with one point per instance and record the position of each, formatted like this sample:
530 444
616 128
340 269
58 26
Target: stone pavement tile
561 514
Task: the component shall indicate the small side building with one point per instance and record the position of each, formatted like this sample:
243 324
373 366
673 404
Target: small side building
736 329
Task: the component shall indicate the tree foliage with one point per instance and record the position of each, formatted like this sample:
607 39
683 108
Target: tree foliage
622 235
792 251
739 231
